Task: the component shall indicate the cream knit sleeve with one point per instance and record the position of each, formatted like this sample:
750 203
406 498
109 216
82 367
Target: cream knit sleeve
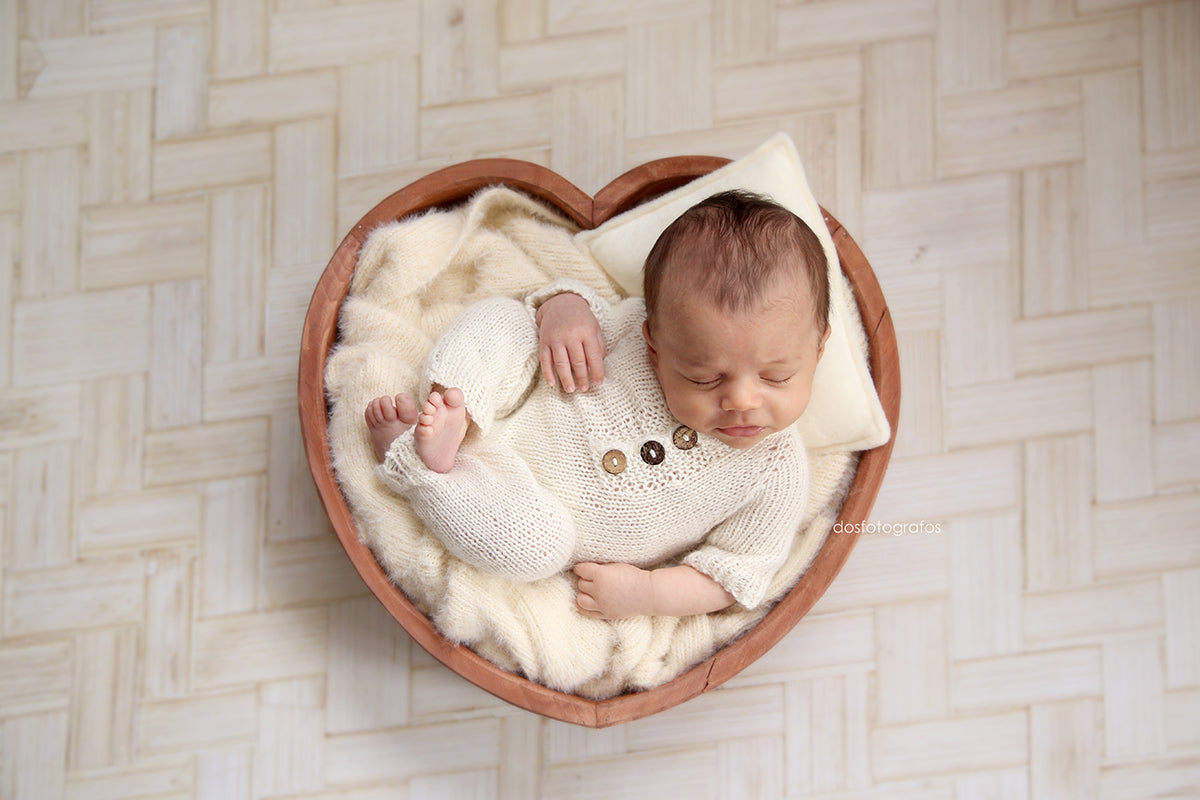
744 552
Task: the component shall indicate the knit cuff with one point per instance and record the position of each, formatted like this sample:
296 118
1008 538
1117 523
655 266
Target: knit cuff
402 469
746 582
567 286
472 383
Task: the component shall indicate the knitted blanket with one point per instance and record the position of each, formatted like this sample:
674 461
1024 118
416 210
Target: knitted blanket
412 279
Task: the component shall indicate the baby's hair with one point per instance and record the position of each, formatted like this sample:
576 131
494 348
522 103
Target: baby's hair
737 242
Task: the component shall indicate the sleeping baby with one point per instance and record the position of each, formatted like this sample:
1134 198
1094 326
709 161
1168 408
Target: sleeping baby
658 458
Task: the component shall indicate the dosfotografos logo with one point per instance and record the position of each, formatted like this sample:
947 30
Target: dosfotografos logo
888 528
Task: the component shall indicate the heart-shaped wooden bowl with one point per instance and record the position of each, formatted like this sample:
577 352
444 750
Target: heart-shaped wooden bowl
457 183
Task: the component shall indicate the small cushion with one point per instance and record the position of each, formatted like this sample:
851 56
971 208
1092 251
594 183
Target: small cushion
844 412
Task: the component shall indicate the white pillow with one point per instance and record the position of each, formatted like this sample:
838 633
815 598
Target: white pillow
844 412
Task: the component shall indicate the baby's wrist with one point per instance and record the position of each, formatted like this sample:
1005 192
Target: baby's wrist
561 298
682 591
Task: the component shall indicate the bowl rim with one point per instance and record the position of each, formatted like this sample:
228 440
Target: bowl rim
457 182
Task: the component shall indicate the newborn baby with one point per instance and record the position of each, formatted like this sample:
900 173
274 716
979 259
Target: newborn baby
673 481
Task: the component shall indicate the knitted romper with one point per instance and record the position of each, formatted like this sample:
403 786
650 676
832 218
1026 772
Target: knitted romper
606 475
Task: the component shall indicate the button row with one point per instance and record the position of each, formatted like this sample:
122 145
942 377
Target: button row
653 453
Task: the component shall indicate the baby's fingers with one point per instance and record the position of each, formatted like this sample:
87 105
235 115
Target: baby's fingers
556 366
588 606
547 358
579 364
562 367
594 354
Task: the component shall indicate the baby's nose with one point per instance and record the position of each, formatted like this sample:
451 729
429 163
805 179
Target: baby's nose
740 396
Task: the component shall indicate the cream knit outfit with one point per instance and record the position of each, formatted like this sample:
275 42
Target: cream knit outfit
607 475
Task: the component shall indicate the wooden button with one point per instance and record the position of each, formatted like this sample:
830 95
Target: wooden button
685 438
653 452
614 462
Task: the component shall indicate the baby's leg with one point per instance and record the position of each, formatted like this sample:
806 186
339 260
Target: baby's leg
387 418
489 511
441 426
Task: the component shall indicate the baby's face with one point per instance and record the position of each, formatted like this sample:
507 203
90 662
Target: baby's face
738 377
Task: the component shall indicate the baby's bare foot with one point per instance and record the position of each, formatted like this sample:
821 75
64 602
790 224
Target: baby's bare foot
441 426
387 418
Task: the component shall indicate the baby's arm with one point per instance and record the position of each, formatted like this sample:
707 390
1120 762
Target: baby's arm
615 591
736 562
571 343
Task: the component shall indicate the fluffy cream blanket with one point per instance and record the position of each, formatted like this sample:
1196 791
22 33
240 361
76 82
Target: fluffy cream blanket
412 279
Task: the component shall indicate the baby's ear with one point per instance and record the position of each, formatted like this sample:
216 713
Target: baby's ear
824 339
649 342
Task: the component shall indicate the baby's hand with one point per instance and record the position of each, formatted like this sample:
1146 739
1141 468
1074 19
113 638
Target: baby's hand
571 342
613 591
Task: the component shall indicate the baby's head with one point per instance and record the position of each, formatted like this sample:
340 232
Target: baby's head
737 310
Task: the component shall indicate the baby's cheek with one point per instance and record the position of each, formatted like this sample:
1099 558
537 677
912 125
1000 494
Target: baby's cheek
689 410
802 401
676 401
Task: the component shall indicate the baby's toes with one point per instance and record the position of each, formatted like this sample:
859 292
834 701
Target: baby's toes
455 398
374 413
406 408
434 404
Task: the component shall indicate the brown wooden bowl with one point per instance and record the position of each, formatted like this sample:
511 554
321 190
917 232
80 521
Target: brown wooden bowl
455 184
